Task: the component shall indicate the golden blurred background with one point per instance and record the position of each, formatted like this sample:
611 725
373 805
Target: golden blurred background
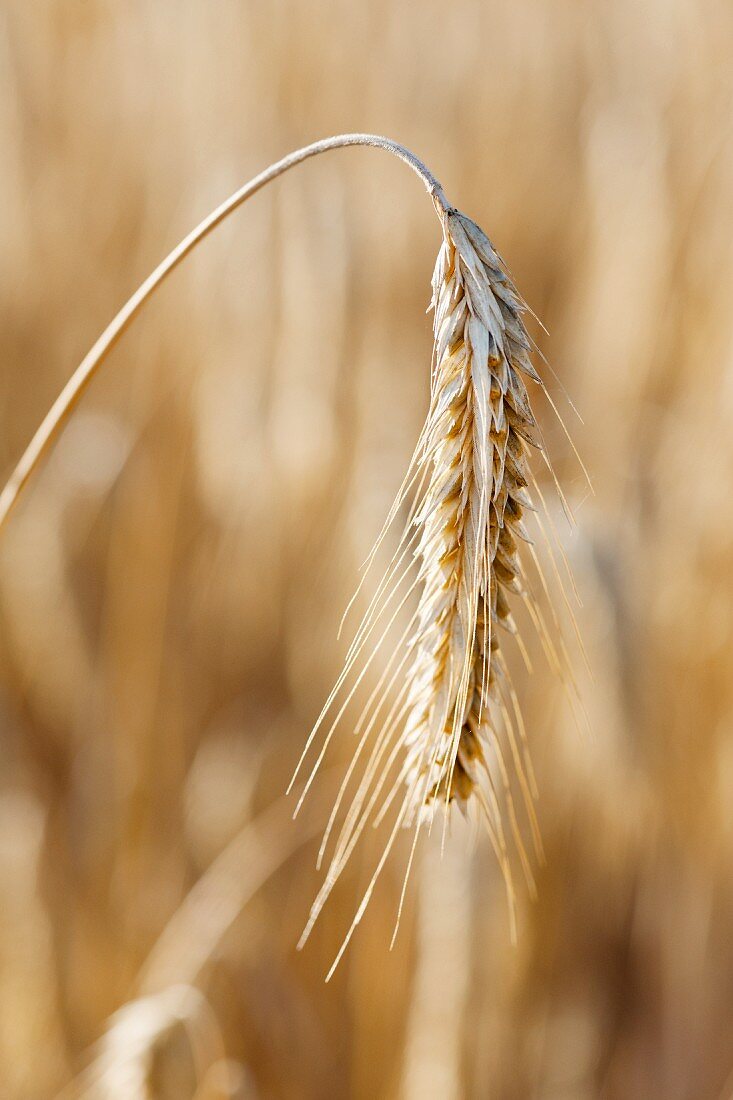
171 588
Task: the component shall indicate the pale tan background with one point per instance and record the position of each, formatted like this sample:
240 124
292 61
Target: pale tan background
170 590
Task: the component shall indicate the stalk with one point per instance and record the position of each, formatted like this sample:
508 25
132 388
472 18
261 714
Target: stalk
72 392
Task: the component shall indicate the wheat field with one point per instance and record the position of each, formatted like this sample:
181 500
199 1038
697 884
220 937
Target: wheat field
172 583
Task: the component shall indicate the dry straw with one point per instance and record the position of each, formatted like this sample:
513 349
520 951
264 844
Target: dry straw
429 732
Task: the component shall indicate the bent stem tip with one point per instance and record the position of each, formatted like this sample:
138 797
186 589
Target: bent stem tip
67 400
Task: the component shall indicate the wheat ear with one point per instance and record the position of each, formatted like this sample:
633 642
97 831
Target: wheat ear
439 742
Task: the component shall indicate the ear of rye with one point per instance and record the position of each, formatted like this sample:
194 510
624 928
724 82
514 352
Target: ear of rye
440 744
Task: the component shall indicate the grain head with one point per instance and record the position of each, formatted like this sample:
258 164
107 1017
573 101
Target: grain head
429 730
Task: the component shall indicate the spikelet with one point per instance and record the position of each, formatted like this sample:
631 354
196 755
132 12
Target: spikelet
438 742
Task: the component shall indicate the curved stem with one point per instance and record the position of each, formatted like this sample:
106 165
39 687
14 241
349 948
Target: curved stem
82 376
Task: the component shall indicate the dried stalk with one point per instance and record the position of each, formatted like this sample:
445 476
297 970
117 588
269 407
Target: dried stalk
67 400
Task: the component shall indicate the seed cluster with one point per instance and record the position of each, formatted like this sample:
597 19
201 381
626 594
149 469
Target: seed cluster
479 429
439 742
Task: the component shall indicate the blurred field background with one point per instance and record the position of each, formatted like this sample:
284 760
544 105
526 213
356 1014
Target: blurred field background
170 590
